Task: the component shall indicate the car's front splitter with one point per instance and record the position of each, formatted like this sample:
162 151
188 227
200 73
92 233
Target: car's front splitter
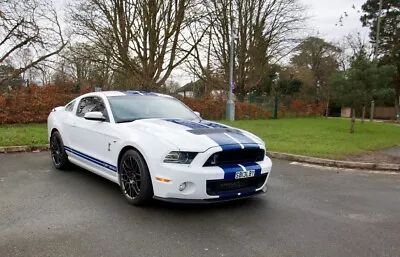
222 198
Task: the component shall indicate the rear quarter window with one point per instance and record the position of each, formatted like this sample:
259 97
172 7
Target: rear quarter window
70 106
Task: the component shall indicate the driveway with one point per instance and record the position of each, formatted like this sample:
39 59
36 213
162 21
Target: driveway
307 211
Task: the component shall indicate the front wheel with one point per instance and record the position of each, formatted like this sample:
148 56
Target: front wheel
58 154
134 178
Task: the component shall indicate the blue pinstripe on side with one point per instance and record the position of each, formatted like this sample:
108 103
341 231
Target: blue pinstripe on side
91 159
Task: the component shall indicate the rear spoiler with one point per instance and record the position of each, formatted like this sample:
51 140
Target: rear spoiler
57 108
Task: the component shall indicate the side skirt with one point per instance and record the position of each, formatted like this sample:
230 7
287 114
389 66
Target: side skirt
93 169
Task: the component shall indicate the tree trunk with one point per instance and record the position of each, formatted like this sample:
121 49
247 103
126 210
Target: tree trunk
327 108
363 115
353 120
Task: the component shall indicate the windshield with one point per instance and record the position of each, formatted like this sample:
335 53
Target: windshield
130 108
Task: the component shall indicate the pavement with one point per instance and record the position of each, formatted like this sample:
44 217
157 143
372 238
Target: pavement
395 152
308 211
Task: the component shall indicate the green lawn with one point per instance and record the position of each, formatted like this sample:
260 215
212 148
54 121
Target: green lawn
322 137
305 136
29 134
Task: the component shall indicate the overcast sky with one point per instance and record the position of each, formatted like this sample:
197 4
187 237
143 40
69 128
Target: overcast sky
325 14
324 21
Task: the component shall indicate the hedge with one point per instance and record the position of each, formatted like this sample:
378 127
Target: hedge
33 105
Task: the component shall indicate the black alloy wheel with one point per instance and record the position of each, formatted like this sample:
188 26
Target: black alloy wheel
58 154
134 178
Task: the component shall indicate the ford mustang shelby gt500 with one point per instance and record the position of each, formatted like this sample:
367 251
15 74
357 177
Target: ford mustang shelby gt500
154 146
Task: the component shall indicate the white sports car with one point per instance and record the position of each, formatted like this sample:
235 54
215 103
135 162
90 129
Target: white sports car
154 146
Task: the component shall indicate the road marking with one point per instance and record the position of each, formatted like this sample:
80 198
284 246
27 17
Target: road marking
344 169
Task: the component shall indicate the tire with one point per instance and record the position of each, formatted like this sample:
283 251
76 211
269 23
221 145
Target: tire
58 155
134 178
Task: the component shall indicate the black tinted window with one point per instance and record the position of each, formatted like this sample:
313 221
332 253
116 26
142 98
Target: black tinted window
91 104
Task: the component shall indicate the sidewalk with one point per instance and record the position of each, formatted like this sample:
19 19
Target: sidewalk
395 152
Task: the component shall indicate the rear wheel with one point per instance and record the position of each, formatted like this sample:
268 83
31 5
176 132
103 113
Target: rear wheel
58 154
134 178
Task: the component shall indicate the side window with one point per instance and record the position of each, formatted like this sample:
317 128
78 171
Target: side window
70 106
91 104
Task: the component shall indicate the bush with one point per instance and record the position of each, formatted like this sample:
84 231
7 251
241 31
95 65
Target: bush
33 104
302 108
215 109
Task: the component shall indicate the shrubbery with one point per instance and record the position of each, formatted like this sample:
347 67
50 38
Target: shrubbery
33 105
214 109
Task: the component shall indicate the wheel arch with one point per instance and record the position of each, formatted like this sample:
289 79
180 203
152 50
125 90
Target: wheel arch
54 130
124 150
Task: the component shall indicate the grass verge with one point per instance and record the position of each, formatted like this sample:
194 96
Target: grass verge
24 134
320 137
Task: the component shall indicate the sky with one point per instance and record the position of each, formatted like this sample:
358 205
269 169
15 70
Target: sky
323 22
325 14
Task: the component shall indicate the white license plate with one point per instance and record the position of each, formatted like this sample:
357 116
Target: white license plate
244 174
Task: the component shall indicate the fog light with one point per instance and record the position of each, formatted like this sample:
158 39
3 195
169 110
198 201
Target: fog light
182 186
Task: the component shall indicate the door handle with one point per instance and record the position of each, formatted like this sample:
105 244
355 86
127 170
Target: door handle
73 124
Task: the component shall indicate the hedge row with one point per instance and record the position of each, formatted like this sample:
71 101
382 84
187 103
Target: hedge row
214 109
33 104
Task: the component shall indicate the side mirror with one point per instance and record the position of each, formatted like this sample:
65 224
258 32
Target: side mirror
98 116
197 113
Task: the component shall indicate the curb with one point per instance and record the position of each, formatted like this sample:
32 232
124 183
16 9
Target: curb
276 155
336 163
24 148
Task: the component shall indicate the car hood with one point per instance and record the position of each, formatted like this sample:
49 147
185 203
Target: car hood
198 135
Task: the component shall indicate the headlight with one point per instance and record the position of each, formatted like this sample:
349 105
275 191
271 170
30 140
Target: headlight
180 157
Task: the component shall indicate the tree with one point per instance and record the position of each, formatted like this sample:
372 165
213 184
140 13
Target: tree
356 86
388 49
264 33
145 38
83 64
320 57
30 33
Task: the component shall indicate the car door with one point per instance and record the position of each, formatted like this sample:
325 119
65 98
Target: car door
91 139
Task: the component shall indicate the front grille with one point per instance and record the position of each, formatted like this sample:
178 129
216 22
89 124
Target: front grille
217 187
235 156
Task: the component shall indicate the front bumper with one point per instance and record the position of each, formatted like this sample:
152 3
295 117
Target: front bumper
195 177
211 200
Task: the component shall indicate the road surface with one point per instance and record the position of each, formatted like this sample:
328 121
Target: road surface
307 211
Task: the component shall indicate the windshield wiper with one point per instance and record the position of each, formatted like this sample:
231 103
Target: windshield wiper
125 121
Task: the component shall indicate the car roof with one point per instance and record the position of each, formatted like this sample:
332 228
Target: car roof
126 93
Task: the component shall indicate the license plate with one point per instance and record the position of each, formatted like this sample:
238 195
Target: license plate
244 174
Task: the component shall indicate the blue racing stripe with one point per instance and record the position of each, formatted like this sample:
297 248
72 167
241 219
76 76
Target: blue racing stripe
225 142
242 138
213 125
91 159
148 93
130 92
135 92
189 124
230 170
253 166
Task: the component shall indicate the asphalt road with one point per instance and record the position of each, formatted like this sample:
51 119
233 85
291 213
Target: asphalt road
306 212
